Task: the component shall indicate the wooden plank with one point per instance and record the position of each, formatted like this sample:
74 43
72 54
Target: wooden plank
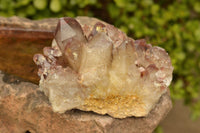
20 39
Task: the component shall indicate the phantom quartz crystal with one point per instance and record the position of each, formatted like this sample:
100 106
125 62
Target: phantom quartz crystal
93 66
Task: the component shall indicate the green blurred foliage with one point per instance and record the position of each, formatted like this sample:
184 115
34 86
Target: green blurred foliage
158 130
171 24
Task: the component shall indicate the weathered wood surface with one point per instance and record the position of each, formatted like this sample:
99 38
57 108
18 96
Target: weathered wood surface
20 39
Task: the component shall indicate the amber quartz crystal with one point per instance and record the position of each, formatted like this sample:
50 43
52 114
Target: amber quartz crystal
98 68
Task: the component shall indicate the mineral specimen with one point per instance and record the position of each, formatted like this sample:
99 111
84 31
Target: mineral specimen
98 68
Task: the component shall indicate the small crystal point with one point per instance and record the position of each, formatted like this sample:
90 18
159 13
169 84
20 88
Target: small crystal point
66 31
69 37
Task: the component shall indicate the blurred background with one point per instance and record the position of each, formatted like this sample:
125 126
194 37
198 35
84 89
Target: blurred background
171 24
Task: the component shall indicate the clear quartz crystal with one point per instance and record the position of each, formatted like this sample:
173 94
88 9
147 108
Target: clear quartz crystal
104 71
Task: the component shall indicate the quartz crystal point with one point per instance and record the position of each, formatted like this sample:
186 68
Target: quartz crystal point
103 71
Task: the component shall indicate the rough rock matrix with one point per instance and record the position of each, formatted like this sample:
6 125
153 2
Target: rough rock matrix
24 108
96 67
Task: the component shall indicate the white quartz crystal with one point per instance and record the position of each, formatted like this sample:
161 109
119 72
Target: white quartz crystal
104 71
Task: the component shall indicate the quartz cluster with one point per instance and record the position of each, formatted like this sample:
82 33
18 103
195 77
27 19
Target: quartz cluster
96 67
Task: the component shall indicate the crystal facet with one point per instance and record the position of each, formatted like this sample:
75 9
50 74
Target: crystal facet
103 71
